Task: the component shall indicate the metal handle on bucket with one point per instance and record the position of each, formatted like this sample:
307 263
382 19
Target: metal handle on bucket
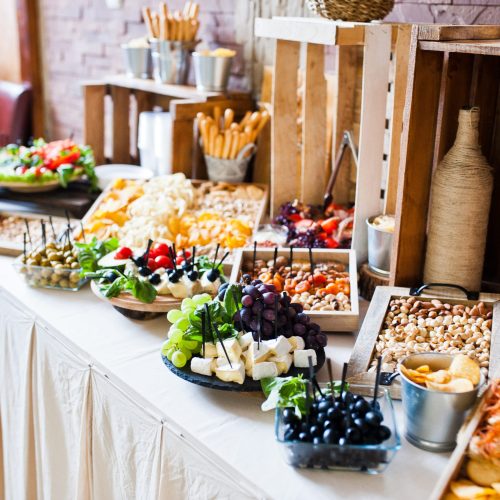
249 147
416 291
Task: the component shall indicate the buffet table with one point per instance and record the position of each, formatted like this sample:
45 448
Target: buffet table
88 410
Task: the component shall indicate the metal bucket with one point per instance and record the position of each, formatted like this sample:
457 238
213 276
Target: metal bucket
212 72
171 60
137 61
433 418
220 170
379 248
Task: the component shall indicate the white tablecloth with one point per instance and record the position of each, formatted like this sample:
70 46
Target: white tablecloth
89 411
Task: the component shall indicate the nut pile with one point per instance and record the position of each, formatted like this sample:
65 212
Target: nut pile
415 326
12 228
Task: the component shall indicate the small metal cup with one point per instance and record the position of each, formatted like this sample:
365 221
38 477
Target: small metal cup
433 418
220 170
171 60
212 72
137 61
379 248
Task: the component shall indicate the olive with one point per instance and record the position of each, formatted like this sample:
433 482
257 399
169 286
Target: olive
317 440
384 432
362 406
75 265
55 278
110 276
304 436
155 279
329 436
145 271
289 415
67 254
290 435
373 418
193 275
64 283
74 276
43 282
314 430
32 262
323 405
45 262
46 273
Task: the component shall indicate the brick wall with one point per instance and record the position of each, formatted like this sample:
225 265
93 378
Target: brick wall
81 40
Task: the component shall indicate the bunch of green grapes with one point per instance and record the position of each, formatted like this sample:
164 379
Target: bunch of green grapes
176 348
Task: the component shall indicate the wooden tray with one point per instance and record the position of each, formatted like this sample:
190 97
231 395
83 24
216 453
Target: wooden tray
126 302
249 385
13 248
458 456
329 321
364 348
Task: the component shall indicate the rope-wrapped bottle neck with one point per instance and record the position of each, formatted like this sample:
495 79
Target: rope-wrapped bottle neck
468 128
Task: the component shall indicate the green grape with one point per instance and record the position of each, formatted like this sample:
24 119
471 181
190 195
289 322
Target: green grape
175 334
174 315
165 347
170 353
197 349
188 306
186 352
201 299
182 324
179 359
189 344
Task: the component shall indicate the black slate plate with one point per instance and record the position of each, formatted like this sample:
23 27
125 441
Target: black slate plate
248 386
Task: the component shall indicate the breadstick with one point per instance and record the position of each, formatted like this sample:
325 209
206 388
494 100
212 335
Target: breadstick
235 126
243 122
163 9
155 21
187 9
163 28
172 25
254 119
227 144
234 145
228 117
180 25
264 118
146 15
204 127
195 9
194 28
219 142
217 113
211 139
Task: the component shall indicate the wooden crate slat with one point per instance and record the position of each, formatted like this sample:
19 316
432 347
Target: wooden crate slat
121 124
436 32
401 55
376 62
314 125
480 47
284 168
93 119
417 147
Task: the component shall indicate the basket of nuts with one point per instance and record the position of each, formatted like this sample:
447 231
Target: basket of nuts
398 324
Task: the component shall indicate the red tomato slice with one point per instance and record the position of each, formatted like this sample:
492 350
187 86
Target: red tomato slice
123 253
163 261
160 249
331 243
294 217
329 225
152 264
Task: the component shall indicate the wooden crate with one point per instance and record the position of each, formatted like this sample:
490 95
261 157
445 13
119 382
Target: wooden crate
449 67
307 181
457 459
364 348
330 321
182 101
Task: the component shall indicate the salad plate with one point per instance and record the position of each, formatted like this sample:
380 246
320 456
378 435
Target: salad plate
25 187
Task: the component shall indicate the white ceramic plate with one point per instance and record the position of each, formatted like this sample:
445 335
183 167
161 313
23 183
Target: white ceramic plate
107 173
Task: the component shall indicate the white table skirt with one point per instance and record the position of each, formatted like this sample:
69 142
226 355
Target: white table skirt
89 411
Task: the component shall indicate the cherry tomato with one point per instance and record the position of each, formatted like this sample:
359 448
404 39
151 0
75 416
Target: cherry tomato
179 260
123 253
163 261
322 236
329 225
294 217
152 264
331 243
159 249
180 253
319 279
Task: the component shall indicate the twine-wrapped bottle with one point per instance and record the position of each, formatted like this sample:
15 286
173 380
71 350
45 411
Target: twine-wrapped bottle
460 203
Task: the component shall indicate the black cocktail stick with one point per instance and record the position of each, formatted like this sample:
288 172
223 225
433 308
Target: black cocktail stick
377 380
148 248
222 260
237 305
52 227
330 373
215 256
193 257
291 259
83 232
274 259
344 375
308 404
44 236
254 258
311 262
259 328
314 380
276 316
24 246
28 232
172 256
203 326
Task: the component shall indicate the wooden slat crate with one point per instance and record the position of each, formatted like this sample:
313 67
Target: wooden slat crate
449 67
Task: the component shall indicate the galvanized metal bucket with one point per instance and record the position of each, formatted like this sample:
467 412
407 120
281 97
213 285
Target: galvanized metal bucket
220 170
433 418
171 60
379 248
137 61
212 72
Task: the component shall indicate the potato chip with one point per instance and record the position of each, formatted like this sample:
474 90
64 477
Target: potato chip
439 377
424 369
464 367
467 489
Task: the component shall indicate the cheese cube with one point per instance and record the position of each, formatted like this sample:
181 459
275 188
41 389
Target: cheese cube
202 366
233 350
283 363
236 373
258 353
245 340
265 369
297 343
179 290
301 358
210 350
280 346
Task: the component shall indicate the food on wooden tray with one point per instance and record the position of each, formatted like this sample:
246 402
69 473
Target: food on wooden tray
173 25
309 226
173 210
219 52
12 228
271 235
61 161
418 326
384 223
224 138
480 475
157 271
462 375
327 288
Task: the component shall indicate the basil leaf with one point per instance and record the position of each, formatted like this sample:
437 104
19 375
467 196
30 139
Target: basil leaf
230 306
115 288
141 290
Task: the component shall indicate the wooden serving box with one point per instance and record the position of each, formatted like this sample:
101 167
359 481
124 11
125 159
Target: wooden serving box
457 459
364 348
329 321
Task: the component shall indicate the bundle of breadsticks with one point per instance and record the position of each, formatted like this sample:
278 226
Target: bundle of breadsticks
224 138
176 26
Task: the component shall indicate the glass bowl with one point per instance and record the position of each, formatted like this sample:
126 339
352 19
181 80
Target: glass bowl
269 235
49 277
372 459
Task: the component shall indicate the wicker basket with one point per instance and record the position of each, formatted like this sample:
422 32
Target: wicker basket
350 10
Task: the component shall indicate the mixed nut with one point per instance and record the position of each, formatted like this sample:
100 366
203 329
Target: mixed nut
418 326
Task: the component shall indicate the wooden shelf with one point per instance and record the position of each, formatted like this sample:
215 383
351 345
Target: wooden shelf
478 47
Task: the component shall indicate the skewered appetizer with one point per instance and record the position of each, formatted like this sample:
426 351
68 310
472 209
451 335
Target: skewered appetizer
311 226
